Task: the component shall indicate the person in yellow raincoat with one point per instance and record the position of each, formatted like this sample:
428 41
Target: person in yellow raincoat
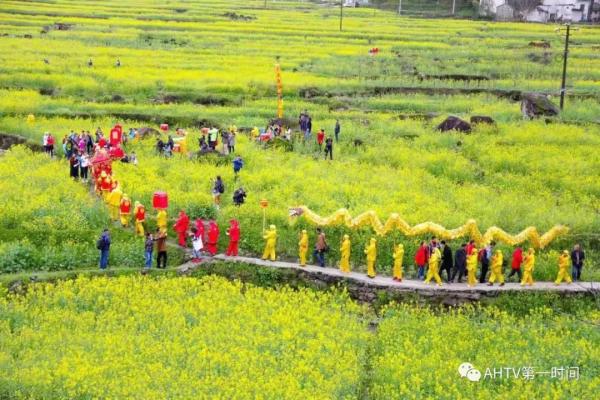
303 247
434 267
564 260
139 212
345 254
125 211
271 241
496 265
254 133
371 252
398 256
161 220
472 267
528 263
114 202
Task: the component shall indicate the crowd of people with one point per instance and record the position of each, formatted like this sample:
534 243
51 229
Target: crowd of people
431 259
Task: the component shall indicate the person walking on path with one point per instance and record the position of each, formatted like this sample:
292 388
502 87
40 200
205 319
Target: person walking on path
563 268
434 265
337 130
103 245
320 248
446 260
460 263
577 257
148 249
517 260
161 248
303 247
485 255
421 258
472 267
270 237
181 227
398 255
371 252
197 245
345 254
497 275
529 264
329 148
234 237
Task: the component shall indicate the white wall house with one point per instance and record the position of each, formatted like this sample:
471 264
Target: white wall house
546 11
357 3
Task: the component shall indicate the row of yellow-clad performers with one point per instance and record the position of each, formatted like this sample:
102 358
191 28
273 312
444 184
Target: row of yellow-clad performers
370 252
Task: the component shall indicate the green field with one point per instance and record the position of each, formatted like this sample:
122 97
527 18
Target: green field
194 64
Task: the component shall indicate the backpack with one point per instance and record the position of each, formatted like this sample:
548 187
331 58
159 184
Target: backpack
100 244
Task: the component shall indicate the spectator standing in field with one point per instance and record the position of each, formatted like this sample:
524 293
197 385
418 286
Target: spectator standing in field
160 146
84 164
577 257
517 260
218 190
421 258
329 148
51 141
133 158
148 249
232 136
45 142
89 143
485 255
103 245
74 165
460 263
337 130
320 138
320 248
446 260
225 140
161 248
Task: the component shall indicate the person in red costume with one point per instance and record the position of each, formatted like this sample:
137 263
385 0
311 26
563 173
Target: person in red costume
320 138
199 224
234 237
181 227
213 237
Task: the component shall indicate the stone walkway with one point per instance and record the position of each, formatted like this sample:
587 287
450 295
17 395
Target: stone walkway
413 285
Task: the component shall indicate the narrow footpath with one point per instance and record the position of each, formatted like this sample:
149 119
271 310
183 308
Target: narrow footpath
385 282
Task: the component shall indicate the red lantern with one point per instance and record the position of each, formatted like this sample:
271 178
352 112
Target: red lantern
164 127
160 200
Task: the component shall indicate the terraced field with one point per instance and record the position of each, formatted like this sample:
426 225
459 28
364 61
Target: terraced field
195 64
